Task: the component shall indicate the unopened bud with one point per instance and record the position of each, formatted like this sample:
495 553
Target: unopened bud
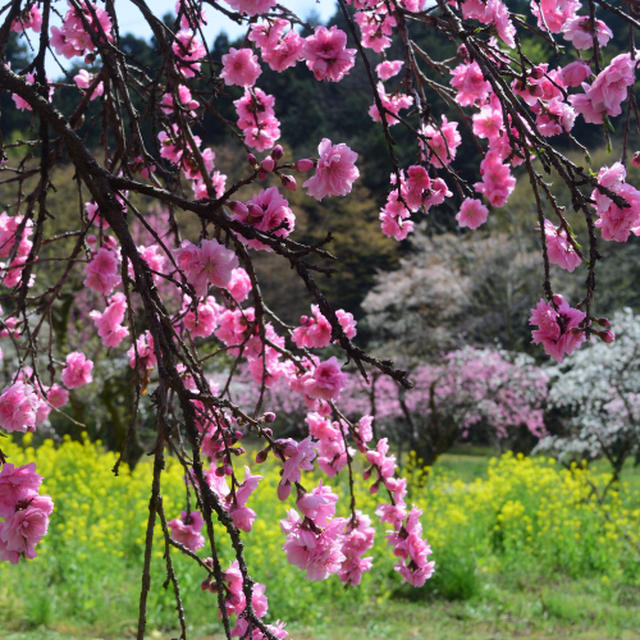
288 182
463 52
607 336
261 456
262 175
537 73
267 164
636 159
304 165
269 417
253 161
603 322
277 152
238 208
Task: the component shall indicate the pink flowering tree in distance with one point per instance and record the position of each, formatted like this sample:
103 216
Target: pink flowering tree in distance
486 393
190 296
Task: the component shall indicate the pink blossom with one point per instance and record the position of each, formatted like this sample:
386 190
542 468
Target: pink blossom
558 327
472 213
24 528
300 456
17 484
336 171
326 54
471 85
488 122
252 7
394 218
392 104
358 537
256 119
608 91
327 381
77 371
319 554
575 73
378 458
83 79
240 67
18 404
279 50
57 396
314 331
269 212
243 517
376 29
491 12
73 39
497 181
553 14
188 49
142 357
615 222
211 262
318 505
203 323
185 100
410 546
108 323
347 322
20 102
442 142
388 69
239 285
186 530
30 18
579 32
559 250
102 272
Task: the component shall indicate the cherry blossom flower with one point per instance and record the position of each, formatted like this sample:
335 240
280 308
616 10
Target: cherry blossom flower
559 250
326 54
77 371
240 67
209 263
187 530
472 213
336 171
558 327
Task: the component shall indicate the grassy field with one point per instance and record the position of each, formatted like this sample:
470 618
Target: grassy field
521 549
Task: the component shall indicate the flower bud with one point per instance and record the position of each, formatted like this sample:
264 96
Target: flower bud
304 165
269 417
253 161
238 208
262 455
277 152
607 336
288 182
636 159
268 164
